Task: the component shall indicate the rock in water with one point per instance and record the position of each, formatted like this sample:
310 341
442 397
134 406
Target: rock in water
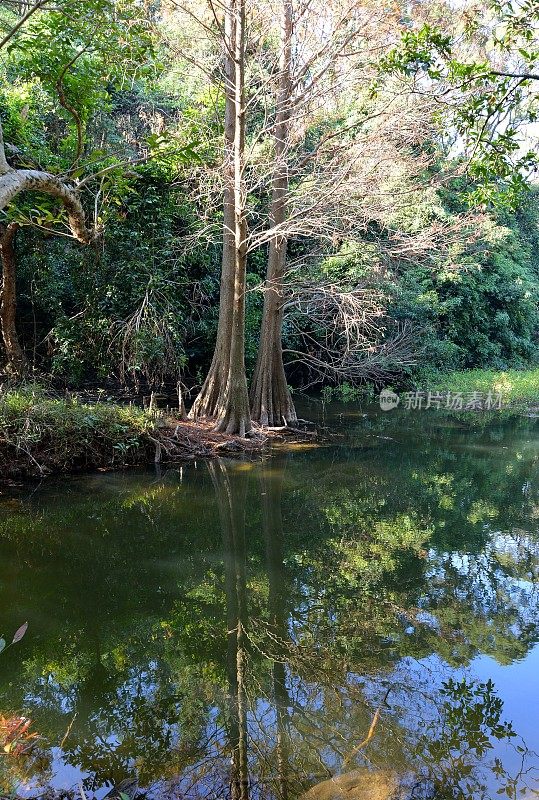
361 784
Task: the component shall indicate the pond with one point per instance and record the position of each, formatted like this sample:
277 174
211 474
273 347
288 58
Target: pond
367 606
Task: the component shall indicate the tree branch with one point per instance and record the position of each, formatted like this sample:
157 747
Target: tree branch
22 20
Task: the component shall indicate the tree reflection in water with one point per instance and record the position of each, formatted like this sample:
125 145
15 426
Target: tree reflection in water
212 651
296 709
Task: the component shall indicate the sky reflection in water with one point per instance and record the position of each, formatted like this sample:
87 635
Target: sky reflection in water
233 629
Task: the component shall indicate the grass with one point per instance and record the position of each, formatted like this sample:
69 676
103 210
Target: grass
41 434
519 388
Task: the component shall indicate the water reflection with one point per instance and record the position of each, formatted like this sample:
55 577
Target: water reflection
254 630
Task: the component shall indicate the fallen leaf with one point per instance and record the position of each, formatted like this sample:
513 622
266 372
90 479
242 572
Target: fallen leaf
20 633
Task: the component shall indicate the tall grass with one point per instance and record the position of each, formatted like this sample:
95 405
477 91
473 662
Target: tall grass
517 387
58 434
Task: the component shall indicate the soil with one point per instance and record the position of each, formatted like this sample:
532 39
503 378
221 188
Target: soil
172 441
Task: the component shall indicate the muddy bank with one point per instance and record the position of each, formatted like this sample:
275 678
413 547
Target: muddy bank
42 435
172 441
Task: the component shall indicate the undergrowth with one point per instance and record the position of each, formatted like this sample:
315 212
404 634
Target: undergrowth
42 434
53 434
516 387
519 389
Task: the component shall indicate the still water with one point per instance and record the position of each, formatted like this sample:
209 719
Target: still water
251 628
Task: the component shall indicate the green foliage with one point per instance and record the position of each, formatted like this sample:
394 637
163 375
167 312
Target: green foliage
481 310
68 434
92 47
516 387
494 95
347 393
142 307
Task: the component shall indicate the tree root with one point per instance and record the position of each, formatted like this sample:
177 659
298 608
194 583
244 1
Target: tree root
34 447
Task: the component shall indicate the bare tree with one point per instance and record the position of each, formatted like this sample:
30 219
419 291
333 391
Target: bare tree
323 160
337 184
271 402
224 394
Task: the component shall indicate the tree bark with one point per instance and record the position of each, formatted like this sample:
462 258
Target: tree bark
32 180
271 401
206 403
233 413
15 360
14 181
224 394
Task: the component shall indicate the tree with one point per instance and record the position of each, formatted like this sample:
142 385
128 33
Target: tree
85 42
271 402
224 393
345 161
13 182
332 173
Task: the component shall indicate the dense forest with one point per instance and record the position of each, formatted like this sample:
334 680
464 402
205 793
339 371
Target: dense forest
251 198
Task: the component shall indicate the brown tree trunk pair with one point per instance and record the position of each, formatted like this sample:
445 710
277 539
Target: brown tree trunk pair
224 394
14 355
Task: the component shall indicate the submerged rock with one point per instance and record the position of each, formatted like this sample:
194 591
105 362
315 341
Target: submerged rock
361 784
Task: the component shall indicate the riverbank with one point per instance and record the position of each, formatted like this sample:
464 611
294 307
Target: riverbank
41 435
518 389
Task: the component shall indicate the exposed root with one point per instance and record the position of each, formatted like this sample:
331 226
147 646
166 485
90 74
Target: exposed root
37 447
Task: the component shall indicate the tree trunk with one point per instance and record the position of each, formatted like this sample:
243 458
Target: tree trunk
32 180
206 403
271 401
233 414
14 181
230 497
15 360
224 394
